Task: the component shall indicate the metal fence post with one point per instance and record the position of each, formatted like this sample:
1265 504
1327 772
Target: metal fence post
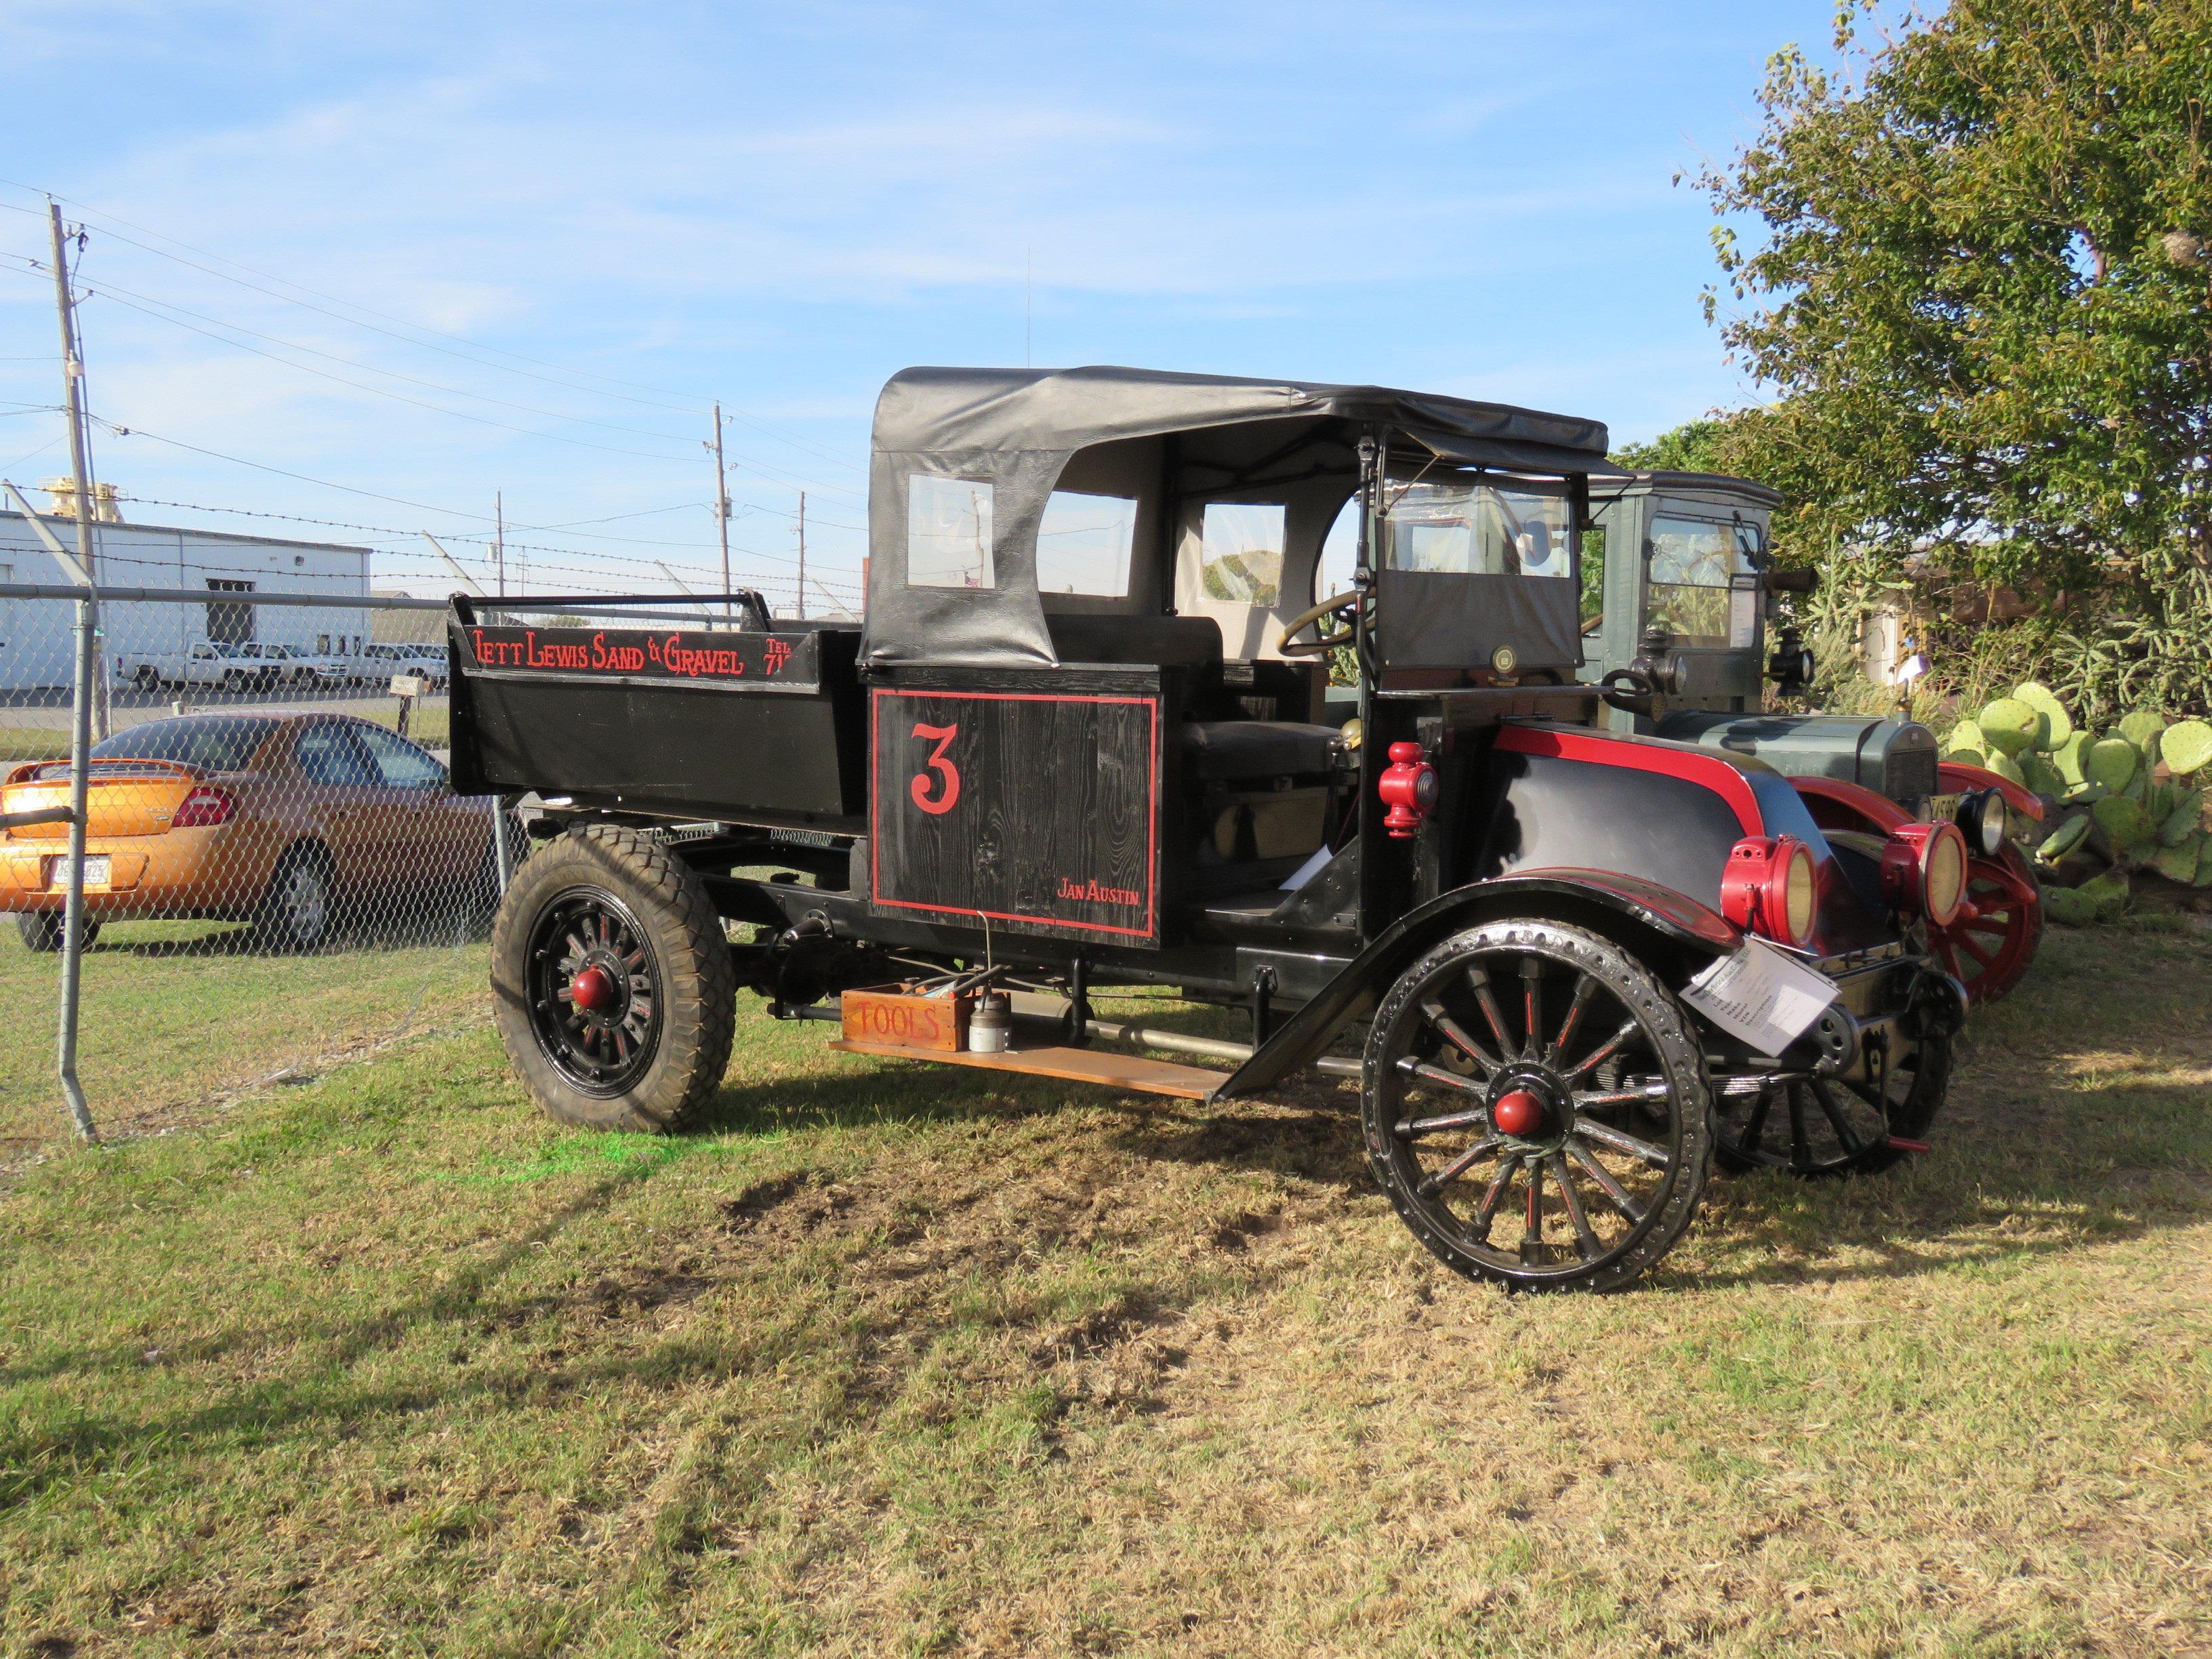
501 851
87 664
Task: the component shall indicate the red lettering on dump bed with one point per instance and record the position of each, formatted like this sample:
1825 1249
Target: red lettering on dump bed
618 652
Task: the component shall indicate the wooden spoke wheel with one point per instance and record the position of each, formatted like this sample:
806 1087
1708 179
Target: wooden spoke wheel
1535 1108
1989 946
1820 1127
612 985
595 995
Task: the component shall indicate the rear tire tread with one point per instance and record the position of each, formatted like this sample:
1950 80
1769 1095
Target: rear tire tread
699 979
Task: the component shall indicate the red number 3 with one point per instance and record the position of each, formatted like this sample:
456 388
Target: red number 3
941 736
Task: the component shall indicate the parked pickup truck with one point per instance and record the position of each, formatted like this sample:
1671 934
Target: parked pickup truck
205 662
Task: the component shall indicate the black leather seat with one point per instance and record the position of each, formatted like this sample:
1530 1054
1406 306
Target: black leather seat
1244 752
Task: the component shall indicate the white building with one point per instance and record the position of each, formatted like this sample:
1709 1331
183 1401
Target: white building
35 634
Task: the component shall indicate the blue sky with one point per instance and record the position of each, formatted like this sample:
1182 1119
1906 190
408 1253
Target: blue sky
578 224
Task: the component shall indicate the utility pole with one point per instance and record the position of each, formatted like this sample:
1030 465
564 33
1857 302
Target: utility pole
499 537
722 510
80 456
87 703
802 556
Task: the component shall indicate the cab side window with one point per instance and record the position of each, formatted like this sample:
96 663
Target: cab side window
948 533
1241 552
1083 544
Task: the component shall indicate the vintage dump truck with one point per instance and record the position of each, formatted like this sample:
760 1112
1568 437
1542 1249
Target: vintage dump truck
1686 598
1078 746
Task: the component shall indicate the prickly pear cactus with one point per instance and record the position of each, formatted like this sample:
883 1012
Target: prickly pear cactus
2183 821
2011 725
2109 762
2059 726
2179 863
2124 815
2143 729
2069 906
2185 747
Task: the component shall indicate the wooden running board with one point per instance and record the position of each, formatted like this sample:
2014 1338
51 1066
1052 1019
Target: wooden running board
1115 1071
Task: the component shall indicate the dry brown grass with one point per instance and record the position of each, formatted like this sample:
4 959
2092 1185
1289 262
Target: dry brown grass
895 1360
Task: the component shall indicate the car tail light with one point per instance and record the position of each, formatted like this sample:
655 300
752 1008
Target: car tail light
1768 888
205 805
1924 871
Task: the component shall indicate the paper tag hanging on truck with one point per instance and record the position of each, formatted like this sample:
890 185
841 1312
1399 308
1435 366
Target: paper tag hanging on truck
1763 995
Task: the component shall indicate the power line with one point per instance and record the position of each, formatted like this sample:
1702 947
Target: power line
453 536
30 455
383 392
770 580
112 289
282 472
690 404
769 471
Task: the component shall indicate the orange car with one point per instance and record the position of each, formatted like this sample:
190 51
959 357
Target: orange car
280 818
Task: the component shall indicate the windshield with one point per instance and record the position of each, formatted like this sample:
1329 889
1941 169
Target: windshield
1470 529
1702 588
220 743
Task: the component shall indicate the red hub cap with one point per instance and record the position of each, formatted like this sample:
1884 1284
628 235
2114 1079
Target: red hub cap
1518 1113
592 990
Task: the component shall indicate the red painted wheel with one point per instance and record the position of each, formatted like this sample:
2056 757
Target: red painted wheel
1989 948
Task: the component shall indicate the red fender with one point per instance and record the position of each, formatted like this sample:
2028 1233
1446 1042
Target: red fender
1836 805
1988 945
1956 777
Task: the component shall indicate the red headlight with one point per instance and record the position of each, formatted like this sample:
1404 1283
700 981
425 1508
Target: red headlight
1924 871
205 806
1768 887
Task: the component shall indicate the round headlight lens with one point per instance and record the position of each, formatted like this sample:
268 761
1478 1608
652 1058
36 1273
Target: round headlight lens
1798 895
1983 821
1944 877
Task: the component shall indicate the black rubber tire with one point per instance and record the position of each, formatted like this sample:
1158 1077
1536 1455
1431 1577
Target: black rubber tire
697 1014
1680 1058
146 679
41 931
282 922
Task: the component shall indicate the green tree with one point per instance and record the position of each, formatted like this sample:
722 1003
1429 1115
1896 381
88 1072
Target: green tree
1975 267
1692 447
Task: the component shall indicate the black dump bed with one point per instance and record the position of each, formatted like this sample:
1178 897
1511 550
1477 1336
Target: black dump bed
742 726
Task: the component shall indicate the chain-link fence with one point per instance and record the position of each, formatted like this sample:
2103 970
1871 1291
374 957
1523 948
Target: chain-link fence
276 870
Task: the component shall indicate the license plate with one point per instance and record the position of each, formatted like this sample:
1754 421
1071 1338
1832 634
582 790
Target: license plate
95 872
1941 809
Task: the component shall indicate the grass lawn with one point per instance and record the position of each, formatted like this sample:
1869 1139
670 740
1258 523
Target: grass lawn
887 1359
172 1012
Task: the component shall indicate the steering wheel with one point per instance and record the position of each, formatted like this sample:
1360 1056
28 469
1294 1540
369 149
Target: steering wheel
1342 608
